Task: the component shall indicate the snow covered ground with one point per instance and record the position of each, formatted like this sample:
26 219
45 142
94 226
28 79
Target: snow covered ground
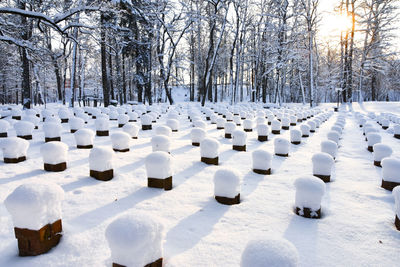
356 228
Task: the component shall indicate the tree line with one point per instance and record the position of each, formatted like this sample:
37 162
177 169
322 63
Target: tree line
118 51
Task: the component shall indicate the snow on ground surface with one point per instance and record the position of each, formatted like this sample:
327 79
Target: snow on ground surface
356 228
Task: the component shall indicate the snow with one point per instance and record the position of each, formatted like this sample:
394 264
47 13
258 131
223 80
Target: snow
4 125
52 129
322 163
163 130
382 151
54 152
197 135
135 239
14 147
309 192
391 169
248 124
32 119
262 159
33 205
84 137
76 123
295 135
221 123
357 212
229 127
275 125
64 113
334 136
305 129
102 124
226 183
239 138
146 119
173 124
23 128
133 116
271 252
329 147
159 165
101 159
161 143
396 129
262 130
120 140
209 148
281 146
373 138
123 119
131 129
396 195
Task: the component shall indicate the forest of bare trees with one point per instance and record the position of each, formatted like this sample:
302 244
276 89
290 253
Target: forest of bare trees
84 51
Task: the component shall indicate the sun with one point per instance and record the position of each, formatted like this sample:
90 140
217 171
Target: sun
333 24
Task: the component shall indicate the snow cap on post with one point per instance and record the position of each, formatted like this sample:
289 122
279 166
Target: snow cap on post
239 140
161 143
271 252
262 161
275 126
163 130
396 194
24 129
329 147
14 149
227 186
373 138
381 151
334 136
131 129
309 192
281 147
197 135
295 136
173 124
120 141
135 240
209 147
322 165
100 159
34 205
84 138
390 173
75 124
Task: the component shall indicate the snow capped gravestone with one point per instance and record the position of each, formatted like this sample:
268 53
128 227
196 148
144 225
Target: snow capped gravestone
229 128
75 124
329 147
4 126
14 149
24 129
309 192
36 215
396 194
159 170
161 143
52 131
122 120
262 161
275 126
221 123
271 252
248 125
373 138
390 173
135 240
100 163
84 138
146 122
263 132
239 140
281 147
209 151
322 166
227 187
120 141
131 129
285 123
295 136
334 136
197 135
305 130
102 126
163 130
64 115
54 156
173 124
381 151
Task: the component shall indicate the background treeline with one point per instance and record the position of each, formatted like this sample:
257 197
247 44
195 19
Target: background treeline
238 50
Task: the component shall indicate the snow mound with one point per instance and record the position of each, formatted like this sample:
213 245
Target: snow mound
329 147
158 165
100 159
197 135
229 127
54 152
309 192
84 137
4 125
262 130
295 135
52 129
391 170
261 159
322 163
102 124
226 183
163 130
161 143
120 140
209 148
281 146
173 124
131 129
382 151
23 128
239 138
271 252
34 205
396 194
14 147
146 119
76 123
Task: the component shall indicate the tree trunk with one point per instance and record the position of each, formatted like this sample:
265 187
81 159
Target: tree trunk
104 76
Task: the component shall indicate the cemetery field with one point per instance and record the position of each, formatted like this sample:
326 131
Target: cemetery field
356 228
